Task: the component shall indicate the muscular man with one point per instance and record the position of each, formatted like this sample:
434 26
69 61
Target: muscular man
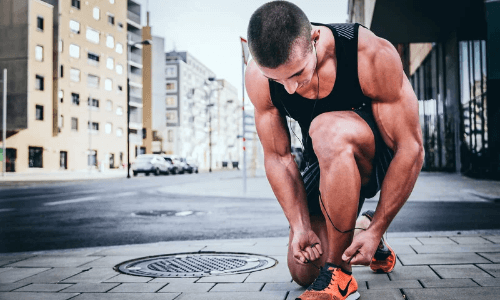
361 134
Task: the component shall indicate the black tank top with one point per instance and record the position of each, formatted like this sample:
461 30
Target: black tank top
345 95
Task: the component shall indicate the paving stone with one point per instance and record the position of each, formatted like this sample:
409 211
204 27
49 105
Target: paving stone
436 241
53 275
402 249
108 261
282 286
225 278
138 288
7 287
237 287
456 248
388 294
495 239
127 296
5 269
485 293
278 273
441 259
93 275
128 278
144 251
169 280
232 296
488 281
16 274
44 287
494 257
70 252
448 283
5 260
403 241
476 240
90 288
412 272
493 269
37 296
186 287
460 271
53 261
366 274
395 284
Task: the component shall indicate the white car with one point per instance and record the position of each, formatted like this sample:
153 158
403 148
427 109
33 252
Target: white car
150 163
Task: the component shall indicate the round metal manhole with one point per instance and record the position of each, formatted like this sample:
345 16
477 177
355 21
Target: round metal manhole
195 265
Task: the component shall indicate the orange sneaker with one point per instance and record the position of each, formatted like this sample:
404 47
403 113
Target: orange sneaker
333 283
384 259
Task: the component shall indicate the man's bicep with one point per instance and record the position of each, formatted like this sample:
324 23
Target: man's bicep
272 131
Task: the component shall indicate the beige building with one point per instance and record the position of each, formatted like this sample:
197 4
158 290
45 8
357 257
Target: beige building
67 69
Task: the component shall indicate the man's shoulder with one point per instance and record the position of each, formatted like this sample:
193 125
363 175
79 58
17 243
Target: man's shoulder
257 86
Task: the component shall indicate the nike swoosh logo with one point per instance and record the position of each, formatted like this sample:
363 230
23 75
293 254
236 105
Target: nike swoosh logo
343 292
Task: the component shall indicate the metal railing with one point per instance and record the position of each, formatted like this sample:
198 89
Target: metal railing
134 38
135 99
134 17
137 58
135 78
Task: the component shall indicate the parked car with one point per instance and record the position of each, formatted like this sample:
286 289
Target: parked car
150 163
191 167
176 165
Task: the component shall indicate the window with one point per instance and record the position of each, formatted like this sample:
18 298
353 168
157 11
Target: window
93 102
39 83
39 23
74 26
120 88
93 81
61 121
61 96
75 3
171 116
172 86
170 136
74 75
110 41
109 105
39 53
39 113
119 110
93 59
74 124
171 71
108 84
119 132
92 35
119 69
110 63
119 48
75 98
35 159
96 13
120 25
111 19
94 126
61 46
92 158
74 51
108 128
171 101
61 71
112 1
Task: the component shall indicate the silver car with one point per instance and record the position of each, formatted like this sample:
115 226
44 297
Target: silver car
150 163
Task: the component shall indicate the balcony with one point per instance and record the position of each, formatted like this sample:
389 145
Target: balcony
135 78
134 57
135 139
133 38
134 99
133 17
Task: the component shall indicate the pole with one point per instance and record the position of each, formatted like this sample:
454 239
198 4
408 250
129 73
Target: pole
90 133
210 136
243 120
4 122
128 127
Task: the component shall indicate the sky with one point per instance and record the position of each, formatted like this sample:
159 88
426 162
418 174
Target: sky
211 30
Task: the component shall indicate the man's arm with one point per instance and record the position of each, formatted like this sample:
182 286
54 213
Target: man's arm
395 108
281 169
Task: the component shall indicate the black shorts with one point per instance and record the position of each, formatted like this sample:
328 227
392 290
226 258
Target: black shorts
381 161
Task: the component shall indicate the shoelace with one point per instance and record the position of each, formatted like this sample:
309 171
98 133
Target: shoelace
323 280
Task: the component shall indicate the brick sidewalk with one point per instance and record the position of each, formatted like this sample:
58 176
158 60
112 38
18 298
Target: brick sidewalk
429 267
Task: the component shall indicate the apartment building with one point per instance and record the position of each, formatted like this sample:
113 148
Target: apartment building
66 85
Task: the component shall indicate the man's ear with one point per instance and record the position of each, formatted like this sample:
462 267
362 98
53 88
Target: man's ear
315 33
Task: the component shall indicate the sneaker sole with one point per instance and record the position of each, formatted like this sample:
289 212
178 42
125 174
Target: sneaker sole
353 296
377 269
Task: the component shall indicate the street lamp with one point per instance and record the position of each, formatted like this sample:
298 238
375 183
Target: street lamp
145 42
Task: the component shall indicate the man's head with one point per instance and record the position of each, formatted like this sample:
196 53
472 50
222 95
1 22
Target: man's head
276 31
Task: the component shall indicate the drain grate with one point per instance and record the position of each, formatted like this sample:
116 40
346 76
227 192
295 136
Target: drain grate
196 264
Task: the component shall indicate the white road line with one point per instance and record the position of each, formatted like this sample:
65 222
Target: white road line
7 209
71 201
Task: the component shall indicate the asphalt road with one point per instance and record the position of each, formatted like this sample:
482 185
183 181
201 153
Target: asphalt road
77 214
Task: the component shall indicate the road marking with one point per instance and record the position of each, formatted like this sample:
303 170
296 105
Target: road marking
71 201
6 209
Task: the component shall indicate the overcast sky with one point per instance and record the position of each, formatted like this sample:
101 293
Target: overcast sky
211 30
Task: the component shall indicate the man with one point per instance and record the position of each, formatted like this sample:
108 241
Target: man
361 134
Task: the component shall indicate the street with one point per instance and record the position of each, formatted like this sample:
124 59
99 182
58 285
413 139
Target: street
139 210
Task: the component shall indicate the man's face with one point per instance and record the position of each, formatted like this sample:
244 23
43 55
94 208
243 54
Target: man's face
297 73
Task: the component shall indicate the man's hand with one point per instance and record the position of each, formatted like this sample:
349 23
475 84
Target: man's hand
306 246
362 248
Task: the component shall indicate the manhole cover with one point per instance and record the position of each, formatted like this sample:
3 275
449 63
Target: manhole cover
195 264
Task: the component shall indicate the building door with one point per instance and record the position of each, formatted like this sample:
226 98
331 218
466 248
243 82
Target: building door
35 158
63 160
10 160
112 161
92 158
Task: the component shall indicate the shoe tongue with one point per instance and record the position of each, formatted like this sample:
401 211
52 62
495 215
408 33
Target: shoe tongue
330 267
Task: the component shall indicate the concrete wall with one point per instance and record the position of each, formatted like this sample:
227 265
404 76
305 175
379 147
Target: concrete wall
158 84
